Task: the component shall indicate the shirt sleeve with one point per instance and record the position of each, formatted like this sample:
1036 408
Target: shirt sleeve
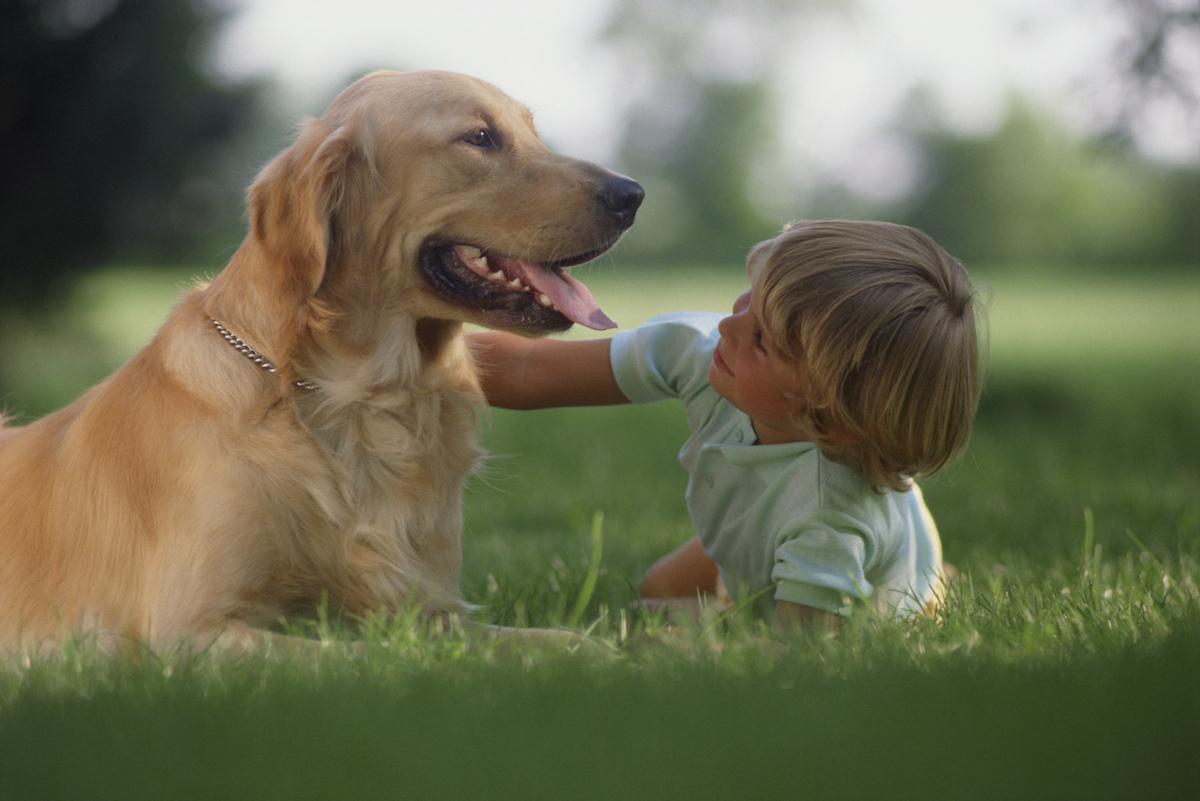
668 357
824 567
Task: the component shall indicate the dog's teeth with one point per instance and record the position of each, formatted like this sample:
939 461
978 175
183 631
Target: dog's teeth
496 276
544 299
516 284
482 263
469 251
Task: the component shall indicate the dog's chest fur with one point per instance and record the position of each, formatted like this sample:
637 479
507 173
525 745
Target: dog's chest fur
389 488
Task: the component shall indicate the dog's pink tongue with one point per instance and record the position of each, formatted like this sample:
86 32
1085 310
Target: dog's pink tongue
568 294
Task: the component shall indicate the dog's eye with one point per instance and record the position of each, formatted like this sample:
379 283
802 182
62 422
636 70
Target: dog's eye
480 137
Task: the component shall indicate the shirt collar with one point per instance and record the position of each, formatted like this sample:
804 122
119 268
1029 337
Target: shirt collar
741 450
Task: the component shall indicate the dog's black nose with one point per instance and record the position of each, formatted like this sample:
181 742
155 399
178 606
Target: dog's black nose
622 196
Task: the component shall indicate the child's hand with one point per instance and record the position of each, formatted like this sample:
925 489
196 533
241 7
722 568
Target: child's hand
521 373
790 617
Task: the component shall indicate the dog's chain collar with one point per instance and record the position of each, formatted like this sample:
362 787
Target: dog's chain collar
250 353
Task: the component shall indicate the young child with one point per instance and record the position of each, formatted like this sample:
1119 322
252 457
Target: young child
849 367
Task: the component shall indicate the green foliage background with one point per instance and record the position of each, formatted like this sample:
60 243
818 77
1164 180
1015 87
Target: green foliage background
115 138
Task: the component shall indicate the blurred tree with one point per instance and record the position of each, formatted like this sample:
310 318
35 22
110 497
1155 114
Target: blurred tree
109 129
1032 192
702 180
1155 64
698 133
1182 244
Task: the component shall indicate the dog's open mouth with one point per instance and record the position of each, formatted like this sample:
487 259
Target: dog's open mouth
524 294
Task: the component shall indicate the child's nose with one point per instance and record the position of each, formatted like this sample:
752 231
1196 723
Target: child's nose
728 327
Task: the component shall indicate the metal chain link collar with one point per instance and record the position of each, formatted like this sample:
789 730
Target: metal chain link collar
250 353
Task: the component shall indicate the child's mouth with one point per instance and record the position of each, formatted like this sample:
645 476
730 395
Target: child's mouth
719 362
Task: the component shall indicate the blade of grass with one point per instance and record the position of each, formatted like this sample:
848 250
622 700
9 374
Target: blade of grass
589 581
1089 539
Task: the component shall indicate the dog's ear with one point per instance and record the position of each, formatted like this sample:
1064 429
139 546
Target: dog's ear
295 198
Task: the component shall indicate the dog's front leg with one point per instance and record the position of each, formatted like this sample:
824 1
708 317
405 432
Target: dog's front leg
238 639
508 639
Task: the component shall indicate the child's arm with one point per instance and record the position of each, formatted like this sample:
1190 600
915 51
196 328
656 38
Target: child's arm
521 373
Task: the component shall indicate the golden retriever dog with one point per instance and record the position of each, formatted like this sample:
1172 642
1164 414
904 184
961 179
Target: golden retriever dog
301 427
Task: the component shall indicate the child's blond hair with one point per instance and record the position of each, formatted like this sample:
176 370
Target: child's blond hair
880 322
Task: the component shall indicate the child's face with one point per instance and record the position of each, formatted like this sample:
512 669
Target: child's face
750 375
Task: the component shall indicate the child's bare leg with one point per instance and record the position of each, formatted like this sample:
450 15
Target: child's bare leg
685 572
681 583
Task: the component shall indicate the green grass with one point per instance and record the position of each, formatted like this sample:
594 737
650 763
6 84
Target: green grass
1065 665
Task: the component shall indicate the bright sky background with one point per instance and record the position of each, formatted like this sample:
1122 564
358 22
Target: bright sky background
839 87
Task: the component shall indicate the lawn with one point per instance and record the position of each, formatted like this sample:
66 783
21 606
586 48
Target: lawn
1065 665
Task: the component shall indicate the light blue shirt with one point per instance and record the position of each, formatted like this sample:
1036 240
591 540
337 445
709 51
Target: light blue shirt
780 521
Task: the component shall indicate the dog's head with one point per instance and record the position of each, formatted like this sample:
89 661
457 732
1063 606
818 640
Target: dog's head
430 194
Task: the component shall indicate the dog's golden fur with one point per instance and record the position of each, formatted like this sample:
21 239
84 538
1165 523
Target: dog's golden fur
192 493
